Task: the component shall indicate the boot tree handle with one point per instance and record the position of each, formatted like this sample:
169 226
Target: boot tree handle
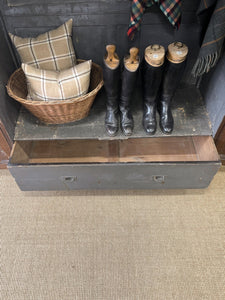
111 59
132 61
178 45
155 47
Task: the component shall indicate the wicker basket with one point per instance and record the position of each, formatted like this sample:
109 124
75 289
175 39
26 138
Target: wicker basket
56 112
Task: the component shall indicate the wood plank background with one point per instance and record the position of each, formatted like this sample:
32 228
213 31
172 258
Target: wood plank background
97 23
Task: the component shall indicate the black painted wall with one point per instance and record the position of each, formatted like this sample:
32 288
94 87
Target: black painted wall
8 108
213 90
97 23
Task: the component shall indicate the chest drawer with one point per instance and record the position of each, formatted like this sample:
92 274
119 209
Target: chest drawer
135 163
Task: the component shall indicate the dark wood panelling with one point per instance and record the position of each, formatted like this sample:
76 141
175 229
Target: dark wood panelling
8 107
186 5
97 23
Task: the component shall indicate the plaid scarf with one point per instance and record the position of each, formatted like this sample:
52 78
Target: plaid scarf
214 38
170 8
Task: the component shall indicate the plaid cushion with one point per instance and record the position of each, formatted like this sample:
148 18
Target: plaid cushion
46 85
52 50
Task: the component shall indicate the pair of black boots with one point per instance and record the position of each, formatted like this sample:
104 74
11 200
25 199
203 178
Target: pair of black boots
160 81
117 83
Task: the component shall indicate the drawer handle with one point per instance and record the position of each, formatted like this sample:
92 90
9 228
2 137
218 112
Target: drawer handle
159 178
68 179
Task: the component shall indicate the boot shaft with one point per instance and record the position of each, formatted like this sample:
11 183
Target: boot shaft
172 76
129 79
151 80
111 83
129 76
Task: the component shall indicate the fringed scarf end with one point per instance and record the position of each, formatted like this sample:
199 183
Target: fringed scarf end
204 64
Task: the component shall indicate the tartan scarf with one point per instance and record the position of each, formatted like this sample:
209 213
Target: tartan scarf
214 38
170 8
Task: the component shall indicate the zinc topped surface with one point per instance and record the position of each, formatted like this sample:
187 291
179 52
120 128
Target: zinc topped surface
190 119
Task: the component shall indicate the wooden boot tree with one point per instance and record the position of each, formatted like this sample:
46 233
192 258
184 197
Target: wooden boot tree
132 61
177 52
155 55
111 58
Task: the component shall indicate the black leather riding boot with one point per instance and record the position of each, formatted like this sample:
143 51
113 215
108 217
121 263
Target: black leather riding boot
151 79
171 79
175 65
111 84
128 83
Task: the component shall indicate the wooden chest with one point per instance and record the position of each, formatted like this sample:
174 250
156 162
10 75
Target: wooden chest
81 156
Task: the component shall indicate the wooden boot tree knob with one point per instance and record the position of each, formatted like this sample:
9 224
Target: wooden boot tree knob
132 61
111 58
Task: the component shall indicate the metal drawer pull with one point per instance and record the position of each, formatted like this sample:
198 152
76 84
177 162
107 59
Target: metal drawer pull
69 178
159 178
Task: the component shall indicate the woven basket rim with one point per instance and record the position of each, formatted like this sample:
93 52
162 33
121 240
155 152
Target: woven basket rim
49 103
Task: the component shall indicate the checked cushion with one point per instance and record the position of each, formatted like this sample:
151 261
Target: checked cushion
52 50
46 85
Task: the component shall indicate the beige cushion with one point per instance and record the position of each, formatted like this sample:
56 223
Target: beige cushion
52 50
45 85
